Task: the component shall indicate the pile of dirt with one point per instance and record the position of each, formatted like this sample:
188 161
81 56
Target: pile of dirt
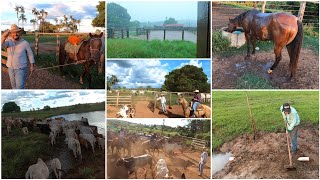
266 156
226 71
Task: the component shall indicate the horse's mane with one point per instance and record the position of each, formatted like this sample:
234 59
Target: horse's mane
240 17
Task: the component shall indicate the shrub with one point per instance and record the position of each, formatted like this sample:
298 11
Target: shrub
219 43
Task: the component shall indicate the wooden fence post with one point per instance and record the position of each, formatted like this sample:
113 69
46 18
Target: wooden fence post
37 45
301 10
112 33
204 29
127 33
147 34
170 99
164 34
58 48
122 34
182 34
263 7
155 103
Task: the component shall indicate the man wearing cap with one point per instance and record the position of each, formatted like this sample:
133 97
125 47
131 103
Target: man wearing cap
203 160
290 115
163 103
196 101
19 51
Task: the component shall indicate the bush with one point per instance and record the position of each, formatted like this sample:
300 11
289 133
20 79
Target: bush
219 43
309 30
86 173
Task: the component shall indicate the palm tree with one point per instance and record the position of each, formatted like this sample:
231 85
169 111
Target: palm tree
43 15
34 22
17 9
35 12
23 19
78 22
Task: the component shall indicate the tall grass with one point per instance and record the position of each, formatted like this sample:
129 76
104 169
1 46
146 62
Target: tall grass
231 116
252 81
134 48
19 151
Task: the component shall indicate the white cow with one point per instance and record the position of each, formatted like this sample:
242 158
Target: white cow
25 130
74 145
90 139
56 167
71 133
52 137
38 171
161 169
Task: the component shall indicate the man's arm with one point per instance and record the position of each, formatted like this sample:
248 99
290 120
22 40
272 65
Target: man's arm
4 36
30 56
293 122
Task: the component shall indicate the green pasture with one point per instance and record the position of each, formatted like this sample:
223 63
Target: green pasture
19 151
135 48
231 116
42 114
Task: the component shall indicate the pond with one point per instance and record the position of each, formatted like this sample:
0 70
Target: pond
95 118
219 161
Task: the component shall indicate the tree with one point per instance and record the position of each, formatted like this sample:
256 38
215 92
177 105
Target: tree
186 79
46 108
111 80
117 16
17 9
99 20
10 107
170 21
36 13
33 22
23 19
134 24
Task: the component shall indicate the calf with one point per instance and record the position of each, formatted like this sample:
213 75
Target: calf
8 129
56 167
25 130
52 137
38 171
161 170
132 164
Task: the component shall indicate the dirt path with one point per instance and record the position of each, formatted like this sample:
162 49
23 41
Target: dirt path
226 71
268 154
177 164
143 111
41 79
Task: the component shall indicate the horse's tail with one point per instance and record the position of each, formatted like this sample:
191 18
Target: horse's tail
294 49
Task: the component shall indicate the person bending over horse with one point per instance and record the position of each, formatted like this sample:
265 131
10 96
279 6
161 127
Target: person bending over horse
19 51
195 102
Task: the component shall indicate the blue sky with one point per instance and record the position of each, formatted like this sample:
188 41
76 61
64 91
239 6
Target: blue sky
151 72
38 99
158 11
84 10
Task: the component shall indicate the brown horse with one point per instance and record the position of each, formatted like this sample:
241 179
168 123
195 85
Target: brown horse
126 144
146 145
203 111
282 28
91 52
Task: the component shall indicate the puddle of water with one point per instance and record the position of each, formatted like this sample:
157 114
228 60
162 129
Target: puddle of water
219 161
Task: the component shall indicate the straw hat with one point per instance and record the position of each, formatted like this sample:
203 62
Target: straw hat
15 28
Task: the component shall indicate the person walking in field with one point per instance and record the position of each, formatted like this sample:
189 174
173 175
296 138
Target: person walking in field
19 51
291 116
163 101
203 160
195 102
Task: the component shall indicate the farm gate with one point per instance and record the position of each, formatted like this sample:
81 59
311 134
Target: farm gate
117 100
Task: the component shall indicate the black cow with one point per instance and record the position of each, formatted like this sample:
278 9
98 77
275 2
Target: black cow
132 164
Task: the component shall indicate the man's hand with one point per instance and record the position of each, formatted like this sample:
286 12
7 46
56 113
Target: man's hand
5 33
32 68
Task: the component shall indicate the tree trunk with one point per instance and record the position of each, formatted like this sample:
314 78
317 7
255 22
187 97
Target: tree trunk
301 10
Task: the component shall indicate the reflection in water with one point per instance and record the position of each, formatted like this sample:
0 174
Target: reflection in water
95 118
219 161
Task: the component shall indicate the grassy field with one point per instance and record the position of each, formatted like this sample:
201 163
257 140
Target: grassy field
133 48
42 114
19 151
231 116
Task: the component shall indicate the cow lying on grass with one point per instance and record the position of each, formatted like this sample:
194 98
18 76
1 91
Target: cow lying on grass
132 164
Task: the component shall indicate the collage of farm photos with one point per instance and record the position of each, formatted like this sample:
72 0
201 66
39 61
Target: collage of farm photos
159 89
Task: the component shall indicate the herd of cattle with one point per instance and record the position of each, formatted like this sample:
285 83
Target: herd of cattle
78 135
142 155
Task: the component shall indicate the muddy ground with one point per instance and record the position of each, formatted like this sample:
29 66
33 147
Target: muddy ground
226 71
267 156
186 162
143 110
